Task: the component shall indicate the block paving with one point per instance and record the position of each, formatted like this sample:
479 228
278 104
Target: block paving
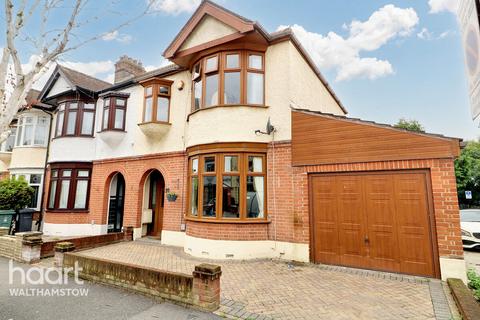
274 289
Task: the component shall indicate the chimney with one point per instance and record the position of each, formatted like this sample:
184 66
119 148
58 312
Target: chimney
126 68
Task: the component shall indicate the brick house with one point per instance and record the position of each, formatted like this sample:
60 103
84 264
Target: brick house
184 154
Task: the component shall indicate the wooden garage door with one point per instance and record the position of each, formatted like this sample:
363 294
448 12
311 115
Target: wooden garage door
373 221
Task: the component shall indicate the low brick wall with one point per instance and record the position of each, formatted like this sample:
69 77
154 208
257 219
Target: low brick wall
11 247
48 247
200 290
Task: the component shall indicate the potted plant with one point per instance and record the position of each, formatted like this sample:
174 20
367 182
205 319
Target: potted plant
171 196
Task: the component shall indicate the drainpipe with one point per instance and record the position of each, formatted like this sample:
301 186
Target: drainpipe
42 201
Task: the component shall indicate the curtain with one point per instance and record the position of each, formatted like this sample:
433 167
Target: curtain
258 183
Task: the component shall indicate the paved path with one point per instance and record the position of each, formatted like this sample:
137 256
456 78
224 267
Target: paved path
266 289
102 302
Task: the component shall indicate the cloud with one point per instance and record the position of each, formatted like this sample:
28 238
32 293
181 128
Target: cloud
174 7
437 6
117 36
425 34
332 51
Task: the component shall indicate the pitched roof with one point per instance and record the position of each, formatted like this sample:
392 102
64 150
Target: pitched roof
83 80
373 123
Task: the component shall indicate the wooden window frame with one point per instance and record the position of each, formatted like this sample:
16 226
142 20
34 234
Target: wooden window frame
219 174
80 110
72 189
155 84
112 107
221 70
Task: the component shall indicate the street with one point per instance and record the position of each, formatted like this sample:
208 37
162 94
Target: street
472 258
46 301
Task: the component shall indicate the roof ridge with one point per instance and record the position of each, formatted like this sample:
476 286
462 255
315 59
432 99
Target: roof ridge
83 74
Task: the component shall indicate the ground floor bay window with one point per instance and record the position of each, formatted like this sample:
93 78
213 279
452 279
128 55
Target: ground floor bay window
69 186
228 185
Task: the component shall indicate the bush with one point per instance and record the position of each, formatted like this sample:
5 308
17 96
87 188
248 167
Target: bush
474 283
15 194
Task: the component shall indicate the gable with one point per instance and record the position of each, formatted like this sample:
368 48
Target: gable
323 139
208 29
61 85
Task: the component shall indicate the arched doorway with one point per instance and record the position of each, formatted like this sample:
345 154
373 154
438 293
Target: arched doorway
116 203
153 202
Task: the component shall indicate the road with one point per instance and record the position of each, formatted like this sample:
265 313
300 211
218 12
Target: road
100 302
472 258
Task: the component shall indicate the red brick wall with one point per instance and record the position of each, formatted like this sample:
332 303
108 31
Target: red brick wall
227 231
135 170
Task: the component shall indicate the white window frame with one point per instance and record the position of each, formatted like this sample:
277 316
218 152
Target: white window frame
35 123
27 177
3 145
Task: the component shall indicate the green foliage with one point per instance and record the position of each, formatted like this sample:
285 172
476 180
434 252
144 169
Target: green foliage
467 171
474 283
410 125
15 194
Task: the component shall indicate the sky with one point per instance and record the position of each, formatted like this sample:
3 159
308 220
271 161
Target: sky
385 60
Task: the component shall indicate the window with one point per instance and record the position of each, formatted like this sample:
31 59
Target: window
69 186
227 186
35 181
157 101
229 78
9 143
32 130
114 113
75 118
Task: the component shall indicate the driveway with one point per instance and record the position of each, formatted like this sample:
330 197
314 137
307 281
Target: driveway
271 289
472 258
101 302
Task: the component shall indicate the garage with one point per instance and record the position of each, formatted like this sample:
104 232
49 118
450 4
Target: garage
375 221
375 196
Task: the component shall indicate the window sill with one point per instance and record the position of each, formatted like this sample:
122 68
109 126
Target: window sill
227 106
29 147
61 137
154 129
67 211
231 221
111 136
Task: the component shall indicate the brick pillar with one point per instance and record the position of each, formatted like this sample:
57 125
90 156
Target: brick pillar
4 231
31 246
128 233
206 286
60 249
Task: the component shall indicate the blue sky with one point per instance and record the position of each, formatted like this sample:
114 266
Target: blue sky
399 59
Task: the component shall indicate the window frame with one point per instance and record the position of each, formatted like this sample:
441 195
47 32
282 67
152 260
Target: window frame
155 84
221 70
112 108
80 110
220 173
20 130
72 189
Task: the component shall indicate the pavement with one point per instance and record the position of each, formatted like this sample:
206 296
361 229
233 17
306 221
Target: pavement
472 258
100 302
274 289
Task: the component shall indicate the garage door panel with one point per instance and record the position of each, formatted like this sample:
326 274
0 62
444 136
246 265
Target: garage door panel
377 221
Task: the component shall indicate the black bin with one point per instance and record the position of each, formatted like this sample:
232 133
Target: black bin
24 220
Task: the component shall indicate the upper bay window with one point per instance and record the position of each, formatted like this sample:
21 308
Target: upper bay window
114 112
156 107
32 131
229 78
75 118
69 186
227 186
9 143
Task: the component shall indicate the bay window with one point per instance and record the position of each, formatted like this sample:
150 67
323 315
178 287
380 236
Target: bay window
227 186
75 118
156 106
9 143
69 186
35 181
114 112
32 130
229 78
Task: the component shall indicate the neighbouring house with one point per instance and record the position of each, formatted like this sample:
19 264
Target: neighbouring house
24 152
184 154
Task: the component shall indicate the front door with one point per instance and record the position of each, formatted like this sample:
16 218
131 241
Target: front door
156 202
116 204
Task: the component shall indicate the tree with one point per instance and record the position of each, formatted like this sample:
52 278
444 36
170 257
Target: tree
467 171
410 125
15 194
53 25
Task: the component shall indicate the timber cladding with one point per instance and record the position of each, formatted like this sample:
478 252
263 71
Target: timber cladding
328 139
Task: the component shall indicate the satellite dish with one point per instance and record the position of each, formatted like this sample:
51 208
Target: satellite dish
269 128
